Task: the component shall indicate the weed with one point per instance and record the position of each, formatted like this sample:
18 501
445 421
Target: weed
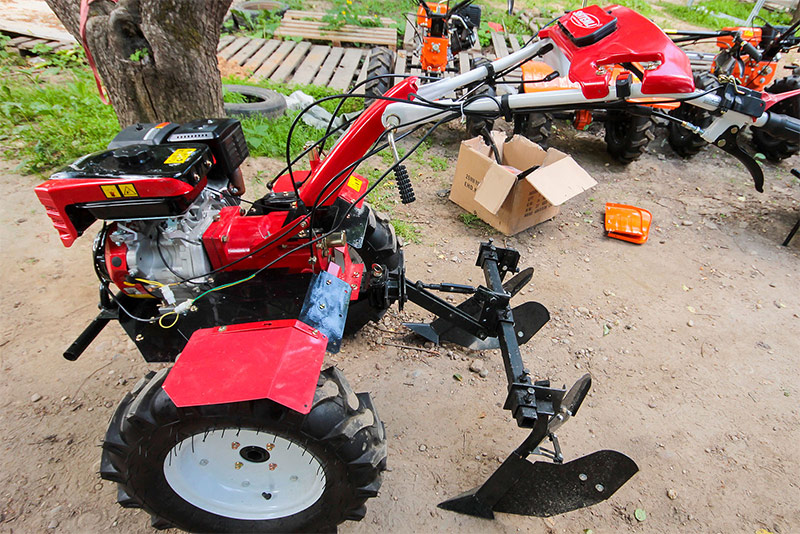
437 163
267 137
471 220
139 55
365 13
50 125
407 230
232 97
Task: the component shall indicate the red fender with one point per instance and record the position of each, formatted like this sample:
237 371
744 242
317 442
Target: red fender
276 360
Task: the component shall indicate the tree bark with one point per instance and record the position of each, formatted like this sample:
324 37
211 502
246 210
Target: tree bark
157 58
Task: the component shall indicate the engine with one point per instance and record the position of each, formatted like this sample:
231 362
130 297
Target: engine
158 187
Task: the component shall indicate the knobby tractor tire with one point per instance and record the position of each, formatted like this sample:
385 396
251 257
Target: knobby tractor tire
534 126
684 142
627 135
380 247
773 148
381 63
252 466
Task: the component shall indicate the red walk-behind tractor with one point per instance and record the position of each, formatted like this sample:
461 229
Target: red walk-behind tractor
246 432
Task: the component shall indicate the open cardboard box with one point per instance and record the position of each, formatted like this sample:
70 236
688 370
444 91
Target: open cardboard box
495 194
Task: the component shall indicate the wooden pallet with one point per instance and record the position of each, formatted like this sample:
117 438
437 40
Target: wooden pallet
309 25
296 63
25 42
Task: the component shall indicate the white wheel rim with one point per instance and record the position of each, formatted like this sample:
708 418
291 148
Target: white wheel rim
244 474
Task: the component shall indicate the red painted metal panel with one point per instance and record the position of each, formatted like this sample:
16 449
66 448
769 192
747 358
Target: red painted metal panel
276 360
635 40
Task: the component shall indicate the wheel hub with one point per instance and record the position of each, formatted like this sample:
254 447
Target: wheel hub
245 474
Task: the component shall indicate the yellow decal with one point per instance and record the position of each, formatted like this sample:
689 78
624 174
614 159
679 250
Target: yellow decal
354 183
111 191
128 190
179 156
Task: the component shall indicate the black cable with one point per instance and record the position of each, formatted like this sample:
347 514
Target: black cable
121 307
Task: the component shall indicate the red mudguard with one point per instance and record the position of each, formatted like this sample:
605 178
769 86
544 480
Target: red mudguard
634 39
276 360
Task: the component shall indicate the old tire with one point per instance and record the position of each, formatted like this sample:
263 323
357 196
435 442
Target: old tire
773 148
265 103
684 142
627 135
205 468
380 247
381 63
534 126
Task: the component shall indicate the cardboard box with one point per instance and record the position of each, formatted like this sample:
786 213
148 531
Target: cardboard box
495 194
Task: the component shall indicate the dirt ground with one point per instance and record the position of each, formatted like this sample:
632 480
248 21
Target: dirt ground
696 378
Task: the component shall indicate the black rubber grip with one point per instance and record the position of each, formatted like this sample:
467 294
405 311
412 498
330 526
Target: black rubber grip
751 51
86 337
783 127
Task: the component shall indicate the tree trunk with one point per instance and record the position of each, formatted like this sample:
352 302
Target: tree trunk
157 58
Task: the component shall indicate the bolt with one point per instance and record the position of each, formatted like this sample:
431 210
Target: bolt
203 462
216 217
327 282
272 467
353 286
224 238
303 224
193 308
734 130
235 445
238 465
721 142
271 446
293 478
356 274
242 211
599 488
322 306
222 328
139 337
583 477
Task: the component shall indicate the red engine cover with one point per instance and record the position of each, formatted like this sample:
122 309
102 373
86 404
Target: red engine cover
635 39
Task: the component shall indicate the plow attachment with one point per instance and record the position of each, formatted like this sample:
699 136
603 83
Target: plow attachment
544 489
487 321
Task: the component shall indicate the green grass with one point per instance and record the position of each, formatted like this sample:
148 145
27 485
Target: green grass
47 125
471 220
700 13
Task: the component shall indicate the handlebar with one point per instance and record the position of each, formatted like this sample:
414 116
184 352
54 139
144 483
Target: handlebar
782 126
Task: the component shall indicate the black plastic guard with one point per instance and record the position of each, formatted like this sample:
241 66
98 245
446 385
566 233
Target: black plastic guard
547 489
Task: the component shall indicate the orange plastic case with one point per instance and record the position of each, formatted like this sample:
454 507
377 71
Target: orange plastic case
628 223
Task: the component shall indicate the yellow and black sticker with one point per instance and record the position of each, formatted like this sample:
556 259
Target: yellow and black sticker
180 156
128 190
354 183
111 191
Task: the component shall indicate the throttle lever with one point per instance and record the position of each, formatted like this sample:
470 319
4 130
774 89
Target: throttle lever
728 142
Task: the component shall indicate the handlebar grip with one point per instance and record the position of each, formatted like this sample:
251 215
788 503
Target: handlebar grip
783 127
751 51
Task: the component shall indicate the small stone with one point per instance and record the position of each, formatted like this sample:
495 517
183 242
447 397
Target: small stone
672 494
423 448
779 305
687 223
772 284
428 345
690 323
476 366
583 310
52 525
483 373
587 259
36 397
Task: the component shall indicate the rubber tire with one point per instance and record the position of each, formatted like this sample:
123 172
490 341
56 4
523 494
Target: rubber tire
682 141
773 148
381 63
380 246
534 126
270 105
627 135
342 430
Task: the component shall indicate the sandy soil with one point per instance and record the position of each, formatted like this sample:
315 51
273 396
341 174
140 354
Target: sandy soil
696 379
